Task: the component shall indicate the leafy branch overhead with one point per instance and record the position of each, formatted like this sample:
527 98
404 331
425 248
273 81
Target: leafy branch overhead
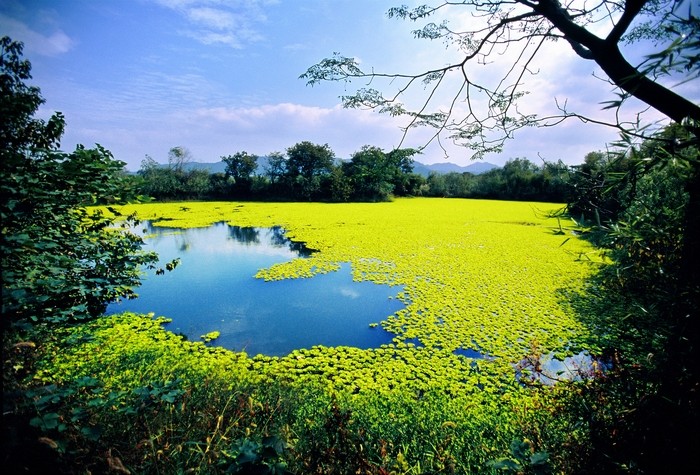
482 115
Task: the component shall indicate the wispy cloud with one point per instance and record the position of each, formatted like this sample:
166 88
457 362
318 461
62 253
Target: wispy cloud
272 127
54 44
309 116
214 18
233 24
210 131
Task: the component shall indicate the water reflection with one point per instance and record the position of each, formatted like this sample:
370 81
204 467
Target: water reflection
247 236
214 289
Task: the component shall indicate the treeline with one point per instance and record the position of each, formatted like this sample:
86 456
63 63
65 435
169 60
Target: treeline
519 180
307 172
311 172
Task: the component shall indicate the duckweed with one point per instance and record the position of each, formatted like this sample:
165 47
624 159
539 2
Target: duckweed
479 278
477 274
211 336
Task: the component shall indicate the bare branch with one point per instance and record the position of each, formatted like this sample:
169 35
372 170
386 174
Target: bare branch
491 114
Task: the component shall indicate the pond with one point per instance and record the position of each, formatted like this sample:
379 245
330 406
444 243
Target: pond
214 289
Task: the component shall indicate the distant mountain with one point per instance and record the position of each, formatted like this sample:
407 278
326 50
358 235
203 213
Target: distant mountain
216 167
418 167
476 168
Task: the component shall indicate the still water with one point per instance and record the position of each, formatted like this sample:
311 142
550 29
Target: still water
214 289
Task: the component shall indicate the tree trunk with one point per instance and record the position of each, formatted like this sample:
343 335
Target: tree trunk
626 76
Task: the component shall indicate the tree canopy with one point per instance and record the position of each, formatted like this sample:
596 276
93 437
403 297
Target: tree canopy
240 167
307 164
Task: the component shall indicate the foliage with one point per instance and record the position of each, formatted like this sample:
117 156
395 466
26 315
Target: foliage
306 166
60 263
637 200
375 175
175 181
259 457
523 460
646 239
240 166
340 188
307 172
598 194
643 308
519 179
370 175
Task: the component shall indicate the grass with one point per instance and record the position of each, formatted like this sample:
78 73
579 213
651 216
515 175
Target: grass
482 275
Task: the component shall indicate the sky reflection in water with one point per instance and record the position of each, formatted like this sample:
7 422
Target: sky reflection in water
214 289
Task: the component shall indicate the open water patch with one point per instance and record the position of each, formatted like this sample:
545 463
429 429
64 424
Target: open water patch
214 289
548 369
470 353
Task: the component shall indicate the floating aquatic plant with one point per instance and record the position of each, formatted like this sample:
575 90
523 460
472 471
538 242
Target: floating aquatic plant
490 272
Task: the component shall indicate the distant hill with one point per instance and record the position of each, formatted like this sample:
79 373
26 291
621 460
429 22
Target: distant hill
476 168
220 167
420 168
216 167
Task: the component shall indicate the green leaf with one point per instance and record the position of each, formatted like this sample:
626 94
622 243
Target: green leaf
505 464
47 421
91 433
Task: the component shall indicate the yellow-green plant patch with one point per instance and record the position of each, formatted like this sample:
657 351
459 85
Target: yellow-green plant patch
477 274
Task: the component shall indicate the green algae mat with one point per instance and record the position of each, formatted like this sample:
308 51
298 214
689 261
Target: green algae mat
489 276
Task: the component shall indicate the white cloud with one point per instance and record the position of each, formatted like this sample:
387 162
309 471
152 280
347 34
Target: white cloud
53 44
212 17
266 128
212 132
309 116
234 24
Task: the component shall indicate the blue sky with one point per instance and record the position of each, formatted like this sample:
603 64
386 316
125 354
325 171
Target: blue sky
217 77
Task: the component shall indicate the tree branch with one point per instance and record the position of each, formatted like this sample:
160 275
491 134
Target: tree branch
608 56
505 24
632 9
